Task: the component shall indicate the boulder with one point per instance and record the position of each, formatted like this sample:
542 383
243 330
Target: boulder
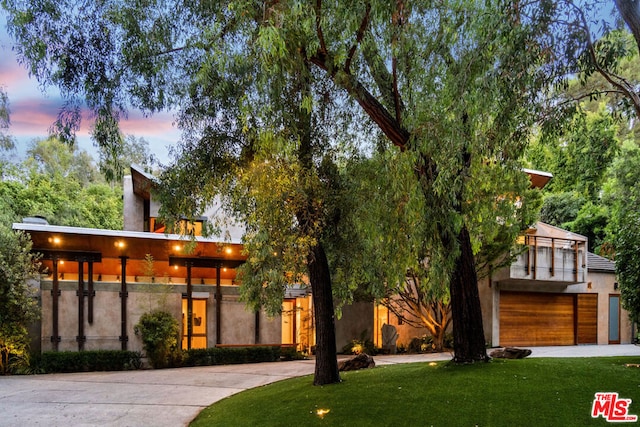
361 361
510 353
389 338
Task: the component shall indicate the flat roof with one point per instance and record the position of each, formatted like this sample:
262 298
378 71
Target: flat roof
47 228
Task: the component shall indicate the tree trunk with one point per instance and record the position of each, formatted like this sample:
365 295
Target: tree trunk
468 333
326 370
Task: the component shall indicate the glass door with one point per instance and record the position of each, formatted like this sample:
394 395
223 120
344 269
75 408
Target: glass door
198 324
614 319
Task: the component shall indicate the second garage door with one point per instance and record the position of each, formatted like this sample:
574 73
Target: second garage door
537 319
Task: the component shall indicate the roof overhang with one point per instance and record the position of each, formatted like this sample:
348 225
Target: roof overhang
538 178
143 182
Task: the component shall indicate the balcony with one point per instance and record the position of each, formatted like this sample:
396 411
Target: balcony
550 255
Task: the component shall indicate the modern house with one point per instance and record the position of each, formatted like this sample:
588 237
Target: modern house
97 283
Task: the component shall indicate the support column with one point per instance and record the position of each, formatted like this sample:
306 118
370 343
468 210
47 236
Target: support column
55 295
218 306
257 327
189 306
90 293
81 338
123 302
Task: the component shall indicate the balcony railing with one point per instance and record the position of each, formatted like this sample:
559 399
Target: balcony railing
551 259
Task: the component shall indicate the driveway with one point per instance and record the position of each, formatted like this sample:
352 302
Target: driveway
173 397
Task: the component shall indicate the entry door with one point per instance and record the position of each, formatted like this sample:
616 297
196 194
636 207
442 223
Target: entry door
614 319
198 324
289 321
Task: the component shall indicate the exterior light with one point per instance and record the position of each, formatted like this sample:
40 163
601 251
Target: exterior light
177 248
228 250
175 267
119 244
322 412
55 240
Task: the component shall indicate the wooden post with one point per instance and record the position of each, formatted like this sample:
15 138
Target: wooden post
55 294
123 303
80 293
189 306
218 306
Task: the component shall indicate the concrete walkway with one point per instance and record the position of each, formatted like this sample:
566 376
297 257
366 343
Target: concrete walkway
173 397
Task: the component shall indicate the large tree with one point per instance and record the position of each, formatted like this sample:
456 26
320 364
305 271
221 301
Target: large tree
451 90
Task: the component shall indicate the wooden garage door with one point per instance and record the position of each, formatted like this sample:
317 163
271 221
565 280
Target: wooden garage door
536 319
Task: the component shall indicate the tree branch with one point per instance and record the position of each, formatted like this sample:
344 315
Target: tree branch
359 37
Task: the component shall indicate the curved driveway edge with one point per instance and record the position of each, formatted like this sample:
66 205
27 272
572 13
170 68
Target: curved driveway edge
173 397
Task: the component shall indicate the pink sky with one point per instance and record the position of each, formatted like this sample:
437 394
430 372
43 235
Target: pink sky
33 111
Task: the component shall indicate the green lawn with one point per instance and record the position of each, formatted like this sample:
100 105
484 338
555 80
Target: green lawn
527 392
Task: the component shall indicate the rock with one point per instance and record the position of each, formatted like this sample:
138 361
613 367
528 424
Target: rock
361 361
510 353
389 338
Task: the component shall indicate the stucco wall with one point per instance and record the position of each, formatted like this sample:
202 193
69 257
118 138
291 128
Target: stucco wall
356 320
133 207
237 323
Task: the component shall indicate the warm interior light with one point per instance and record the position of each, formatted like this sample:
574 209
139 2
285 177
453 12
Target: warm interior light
61 262
175 267
224 269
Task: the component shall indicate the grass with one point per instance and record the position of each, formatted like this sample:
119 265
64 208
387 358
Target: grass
527 392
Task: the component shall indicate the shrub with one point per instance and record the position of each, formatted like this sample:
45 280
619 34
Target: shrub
83 361
358 346
160 332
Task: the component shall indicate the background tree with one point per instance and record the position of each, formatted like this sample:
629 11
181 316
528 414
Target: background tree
6 141
61 184
114 162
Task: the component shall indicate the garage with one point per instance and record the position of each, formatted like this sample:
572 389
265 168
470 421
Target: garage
542 319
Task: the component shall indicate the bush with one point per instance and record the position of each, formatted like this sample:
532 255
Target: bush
84 361
160 332
230 355
358 346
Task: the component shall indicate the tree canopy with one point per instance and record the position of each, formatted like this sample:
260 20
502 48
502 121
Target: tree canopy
62 185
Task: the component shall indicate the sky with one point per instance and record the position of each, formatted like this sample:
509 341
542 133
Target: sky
33 110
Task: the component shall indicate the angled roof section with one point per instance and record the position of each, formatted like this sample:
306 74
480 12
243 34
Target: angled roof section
143 182
540 229
538 178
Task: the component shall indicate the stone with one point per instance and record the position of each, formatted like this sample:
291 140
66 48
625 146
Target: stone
510 353
389 338
361 361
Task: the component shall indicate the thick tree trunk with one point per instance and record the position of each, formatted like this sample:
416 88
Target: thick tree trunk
326 371
468 333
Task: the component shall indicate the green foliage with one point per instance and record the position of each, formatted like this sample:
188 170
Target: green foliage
6 141
61 184
18 295
86 361
160 333
235 355
360 345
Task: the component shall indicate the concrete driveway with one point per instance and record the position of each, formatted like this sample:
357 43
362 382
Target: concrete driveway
173 397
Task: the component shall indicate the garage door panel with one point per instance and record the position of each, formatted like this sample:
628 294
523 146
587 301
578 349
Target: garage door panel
587 319
536 319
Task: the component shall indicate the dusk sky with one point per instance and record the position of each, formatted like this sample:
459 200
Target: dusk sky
33 111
